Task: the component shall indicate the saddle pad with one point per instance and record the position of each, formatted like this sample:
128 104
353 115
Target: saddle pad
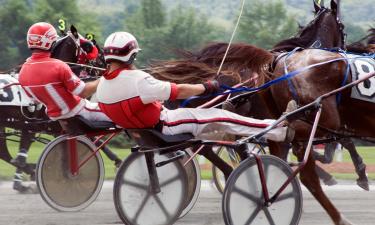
361 66
13 96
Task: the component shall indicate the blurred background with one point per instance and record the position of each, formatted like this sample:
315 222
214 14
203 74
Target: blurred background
162 26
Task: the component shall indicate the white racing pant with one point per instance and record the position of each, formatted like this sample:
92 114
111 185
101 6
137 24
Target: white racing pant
200 121
92 112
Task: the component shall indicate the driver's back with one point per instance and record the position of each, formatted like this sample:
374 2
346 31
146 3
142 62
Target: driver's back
51 82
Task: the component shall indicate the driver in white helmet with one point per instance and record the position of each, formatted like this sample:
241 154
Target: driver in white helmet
132 99
51 82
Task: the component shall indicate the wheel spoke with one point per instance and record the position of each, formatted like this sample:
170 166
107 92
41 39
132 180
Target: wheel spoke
284 197
248 195
141 207
170 180
253 215
160 203
134 184
268 215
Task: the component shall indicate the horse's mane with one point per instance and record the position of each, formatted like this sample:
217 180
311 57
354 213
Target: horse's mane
359 46
195 67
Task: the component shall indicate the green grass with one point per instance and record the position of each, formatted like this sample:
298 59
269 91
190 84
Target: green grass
7 171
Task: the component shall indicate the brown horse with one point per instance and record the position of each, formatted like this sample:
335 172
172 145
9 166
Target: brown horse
309 85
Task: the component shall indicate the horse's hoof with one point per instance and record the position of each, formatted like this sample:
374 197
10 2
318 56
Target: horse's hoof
22 189
330 182
344 221
363 184
118 163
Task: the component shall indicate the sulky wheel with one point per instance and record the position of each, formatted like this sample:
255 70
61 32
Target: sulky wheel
243 201
58 187
194 182
135 201
232 159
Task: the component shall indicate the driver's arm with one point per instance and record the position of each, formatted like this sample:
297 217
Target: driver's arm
187 90
89 89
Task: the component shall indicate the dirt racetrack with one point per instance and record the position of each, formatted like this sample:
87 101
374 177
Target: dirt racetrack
17 209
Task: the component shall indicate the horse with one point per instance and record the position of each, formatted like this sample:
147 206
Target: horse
20 114
308 87
213 54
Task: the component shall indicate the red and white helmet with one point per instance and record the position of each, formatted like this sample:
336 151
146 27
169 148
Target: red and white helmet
121 46
41 36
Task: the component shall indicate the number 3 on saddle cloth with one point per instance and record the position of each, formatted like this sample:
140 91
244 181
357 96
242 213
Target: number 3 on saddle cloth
361 66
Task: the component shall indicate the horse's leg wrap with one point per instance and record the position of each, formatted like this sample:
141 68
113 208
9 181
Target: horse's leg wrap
25 143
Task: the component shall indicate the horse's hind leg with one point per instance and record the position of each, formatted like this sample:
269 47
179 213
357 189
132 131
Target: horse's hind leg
21 163
209 154
4 152
310 179
25 143
111 155
326 158
359 165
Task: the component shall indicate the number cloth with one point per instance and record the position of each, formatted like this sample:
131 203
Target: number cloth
131 98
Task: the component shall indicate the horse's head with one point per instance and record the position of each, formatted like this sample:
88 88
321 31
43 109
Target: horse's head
68 47
324 31
72 46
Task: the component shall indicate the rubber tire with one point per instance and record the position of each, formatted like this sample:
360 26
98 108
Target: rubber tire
275 179
66 192
133 162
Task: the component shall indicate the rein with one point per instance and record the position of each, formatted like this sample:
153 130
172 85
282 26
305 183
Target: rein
285 77
231 38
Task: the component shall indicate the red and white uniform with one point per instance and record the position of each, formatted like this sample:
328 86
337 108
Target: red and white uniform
51 82
131 98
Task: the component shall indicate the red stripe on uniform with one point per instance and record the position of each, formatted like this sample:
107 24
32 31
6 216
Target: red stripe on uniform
226 120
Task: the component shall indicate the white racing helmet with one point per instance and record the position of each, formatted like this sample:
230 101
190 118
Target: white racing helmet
121 46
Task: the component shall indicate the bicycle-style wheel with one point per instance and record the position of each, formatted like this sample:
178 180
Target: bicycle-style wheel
243 201
58 187
232 159
134 200
194 182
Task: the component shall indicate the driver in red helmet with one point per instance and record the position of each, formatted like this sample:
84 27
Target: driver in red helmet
51 81
132 99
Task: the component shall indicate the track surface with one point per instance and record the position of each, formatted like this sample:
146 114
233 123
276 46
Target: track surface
16 209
